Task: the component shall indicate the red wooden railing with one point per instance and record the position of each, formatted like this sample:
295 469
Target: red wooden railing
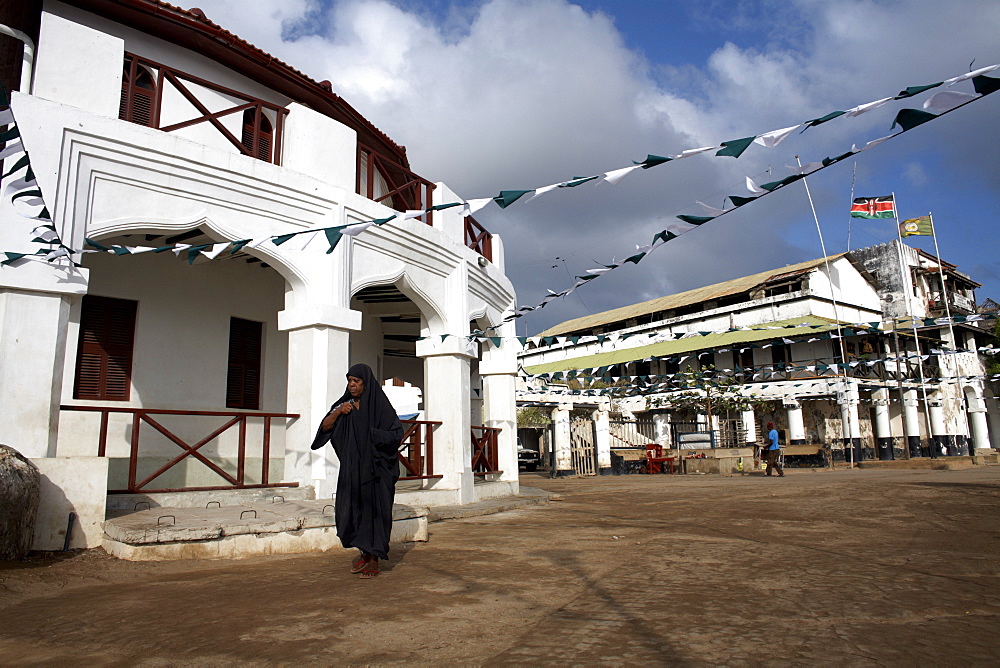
259 138
416 450
478 239
237 419
407 191
485 450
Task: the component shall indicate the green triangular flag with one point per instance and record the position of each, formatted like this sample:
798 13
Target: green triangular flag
98 246
278 240
333 236
8 134
236 246
823 119
652 161
495 340
843 156
664 235
441 207
740 201
26 193
735 147
695 220
911 118
508 197
12 257
194 251
916 90
635 258
985 85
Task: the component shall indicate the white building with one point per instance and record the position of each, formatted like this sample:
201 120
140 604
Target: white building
829 342
150 126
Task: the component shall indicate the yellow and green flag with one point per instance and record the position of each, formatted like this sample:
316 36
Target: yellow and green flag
916 227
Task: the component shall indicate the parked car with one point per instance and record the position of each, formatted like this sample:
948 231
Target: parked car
527 457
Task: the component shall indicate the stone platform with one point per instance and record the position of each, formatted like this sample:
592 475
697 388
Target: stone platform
280 527
245 523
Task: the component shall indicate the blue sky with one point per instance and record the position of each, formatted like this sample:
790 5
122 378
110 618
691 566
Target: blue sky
511 94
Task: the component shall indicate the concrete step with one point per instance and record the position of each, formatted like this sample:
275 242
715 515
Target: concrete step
119 503
285 527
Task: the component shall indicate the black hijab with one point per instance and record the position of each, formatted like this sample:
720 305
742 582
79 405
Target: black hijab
369 434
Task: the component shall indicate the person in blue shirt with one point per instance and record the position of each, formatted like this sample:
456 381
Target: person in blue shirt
774 451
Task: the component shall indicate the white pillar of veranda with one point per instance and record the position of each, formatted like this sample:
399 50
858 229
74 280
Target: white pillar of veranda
561 440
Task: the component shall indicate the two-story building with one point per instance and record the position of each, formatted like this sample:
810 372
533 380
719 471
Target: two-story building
849 350
196 345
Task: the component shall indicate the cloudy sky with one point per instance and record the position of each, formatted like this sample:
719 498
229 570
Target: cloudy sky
514 94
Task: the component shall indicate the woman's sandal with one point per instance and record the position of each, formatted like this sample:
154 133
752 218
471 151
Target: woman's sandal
370 569
359 564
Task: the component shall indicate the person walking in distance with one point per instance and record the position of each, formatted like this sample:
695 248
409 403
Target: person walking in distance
773 451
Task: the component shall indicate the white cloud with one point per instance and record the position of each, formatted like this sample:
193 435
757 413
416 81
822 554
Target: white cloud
523 93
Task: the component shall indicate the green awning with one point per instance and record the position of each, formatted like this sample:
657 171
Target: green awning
790 327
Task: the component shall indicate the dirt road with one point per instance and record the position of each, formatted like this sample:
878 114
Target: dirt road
832 568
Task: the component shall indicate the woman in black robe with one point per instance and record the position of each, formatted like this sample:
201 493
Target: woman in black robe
365 432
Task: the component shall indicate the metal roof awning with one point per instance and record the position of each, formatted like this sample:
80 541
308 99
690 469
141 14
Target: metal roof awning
792 327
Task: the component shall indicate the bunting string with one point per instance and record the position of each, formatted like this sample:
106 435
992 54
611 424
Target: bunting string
24 188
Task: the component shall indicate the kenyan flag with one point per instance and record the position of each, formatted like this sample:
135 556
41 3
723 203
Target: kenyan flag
873 207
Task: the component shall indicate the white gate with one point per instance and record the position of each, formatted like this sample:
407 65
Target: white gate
582 446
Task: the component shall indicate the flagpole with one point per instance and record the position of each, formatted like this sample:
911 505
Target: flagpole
836 313
850 220
913 323
953 361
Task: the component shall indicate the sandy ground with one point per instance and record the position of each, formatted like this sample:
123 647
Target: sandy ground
831 568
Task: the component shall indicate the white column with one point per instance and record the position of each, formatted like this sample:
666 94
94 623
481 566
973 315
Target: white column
317 375
661 425
979 424
561 440
911 421
500 411
750 426
938 433
602 439
883 430
796 426
446 399
33 331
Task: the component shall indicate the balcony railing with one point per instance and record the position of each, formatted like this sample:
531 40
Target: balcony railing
145 82
391 184
958 304
485 450
236 419
416 450
478 239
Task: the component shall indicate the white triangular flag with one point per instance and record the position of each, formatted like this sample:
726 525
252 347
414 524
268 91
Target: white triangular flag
948 100
711 210
355 230
862 108
774 137
470 207
969 75
613 177
542 191
753 187
215 250
694 151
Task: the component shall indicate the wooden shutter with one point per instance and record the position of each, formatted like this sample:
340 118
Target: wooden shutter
243 378
104 353
138 94
257 136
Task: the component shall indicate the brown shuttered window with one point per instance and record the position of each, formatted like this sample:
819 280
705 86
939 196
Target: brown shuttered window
243 380
138 94
257 137
104 353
